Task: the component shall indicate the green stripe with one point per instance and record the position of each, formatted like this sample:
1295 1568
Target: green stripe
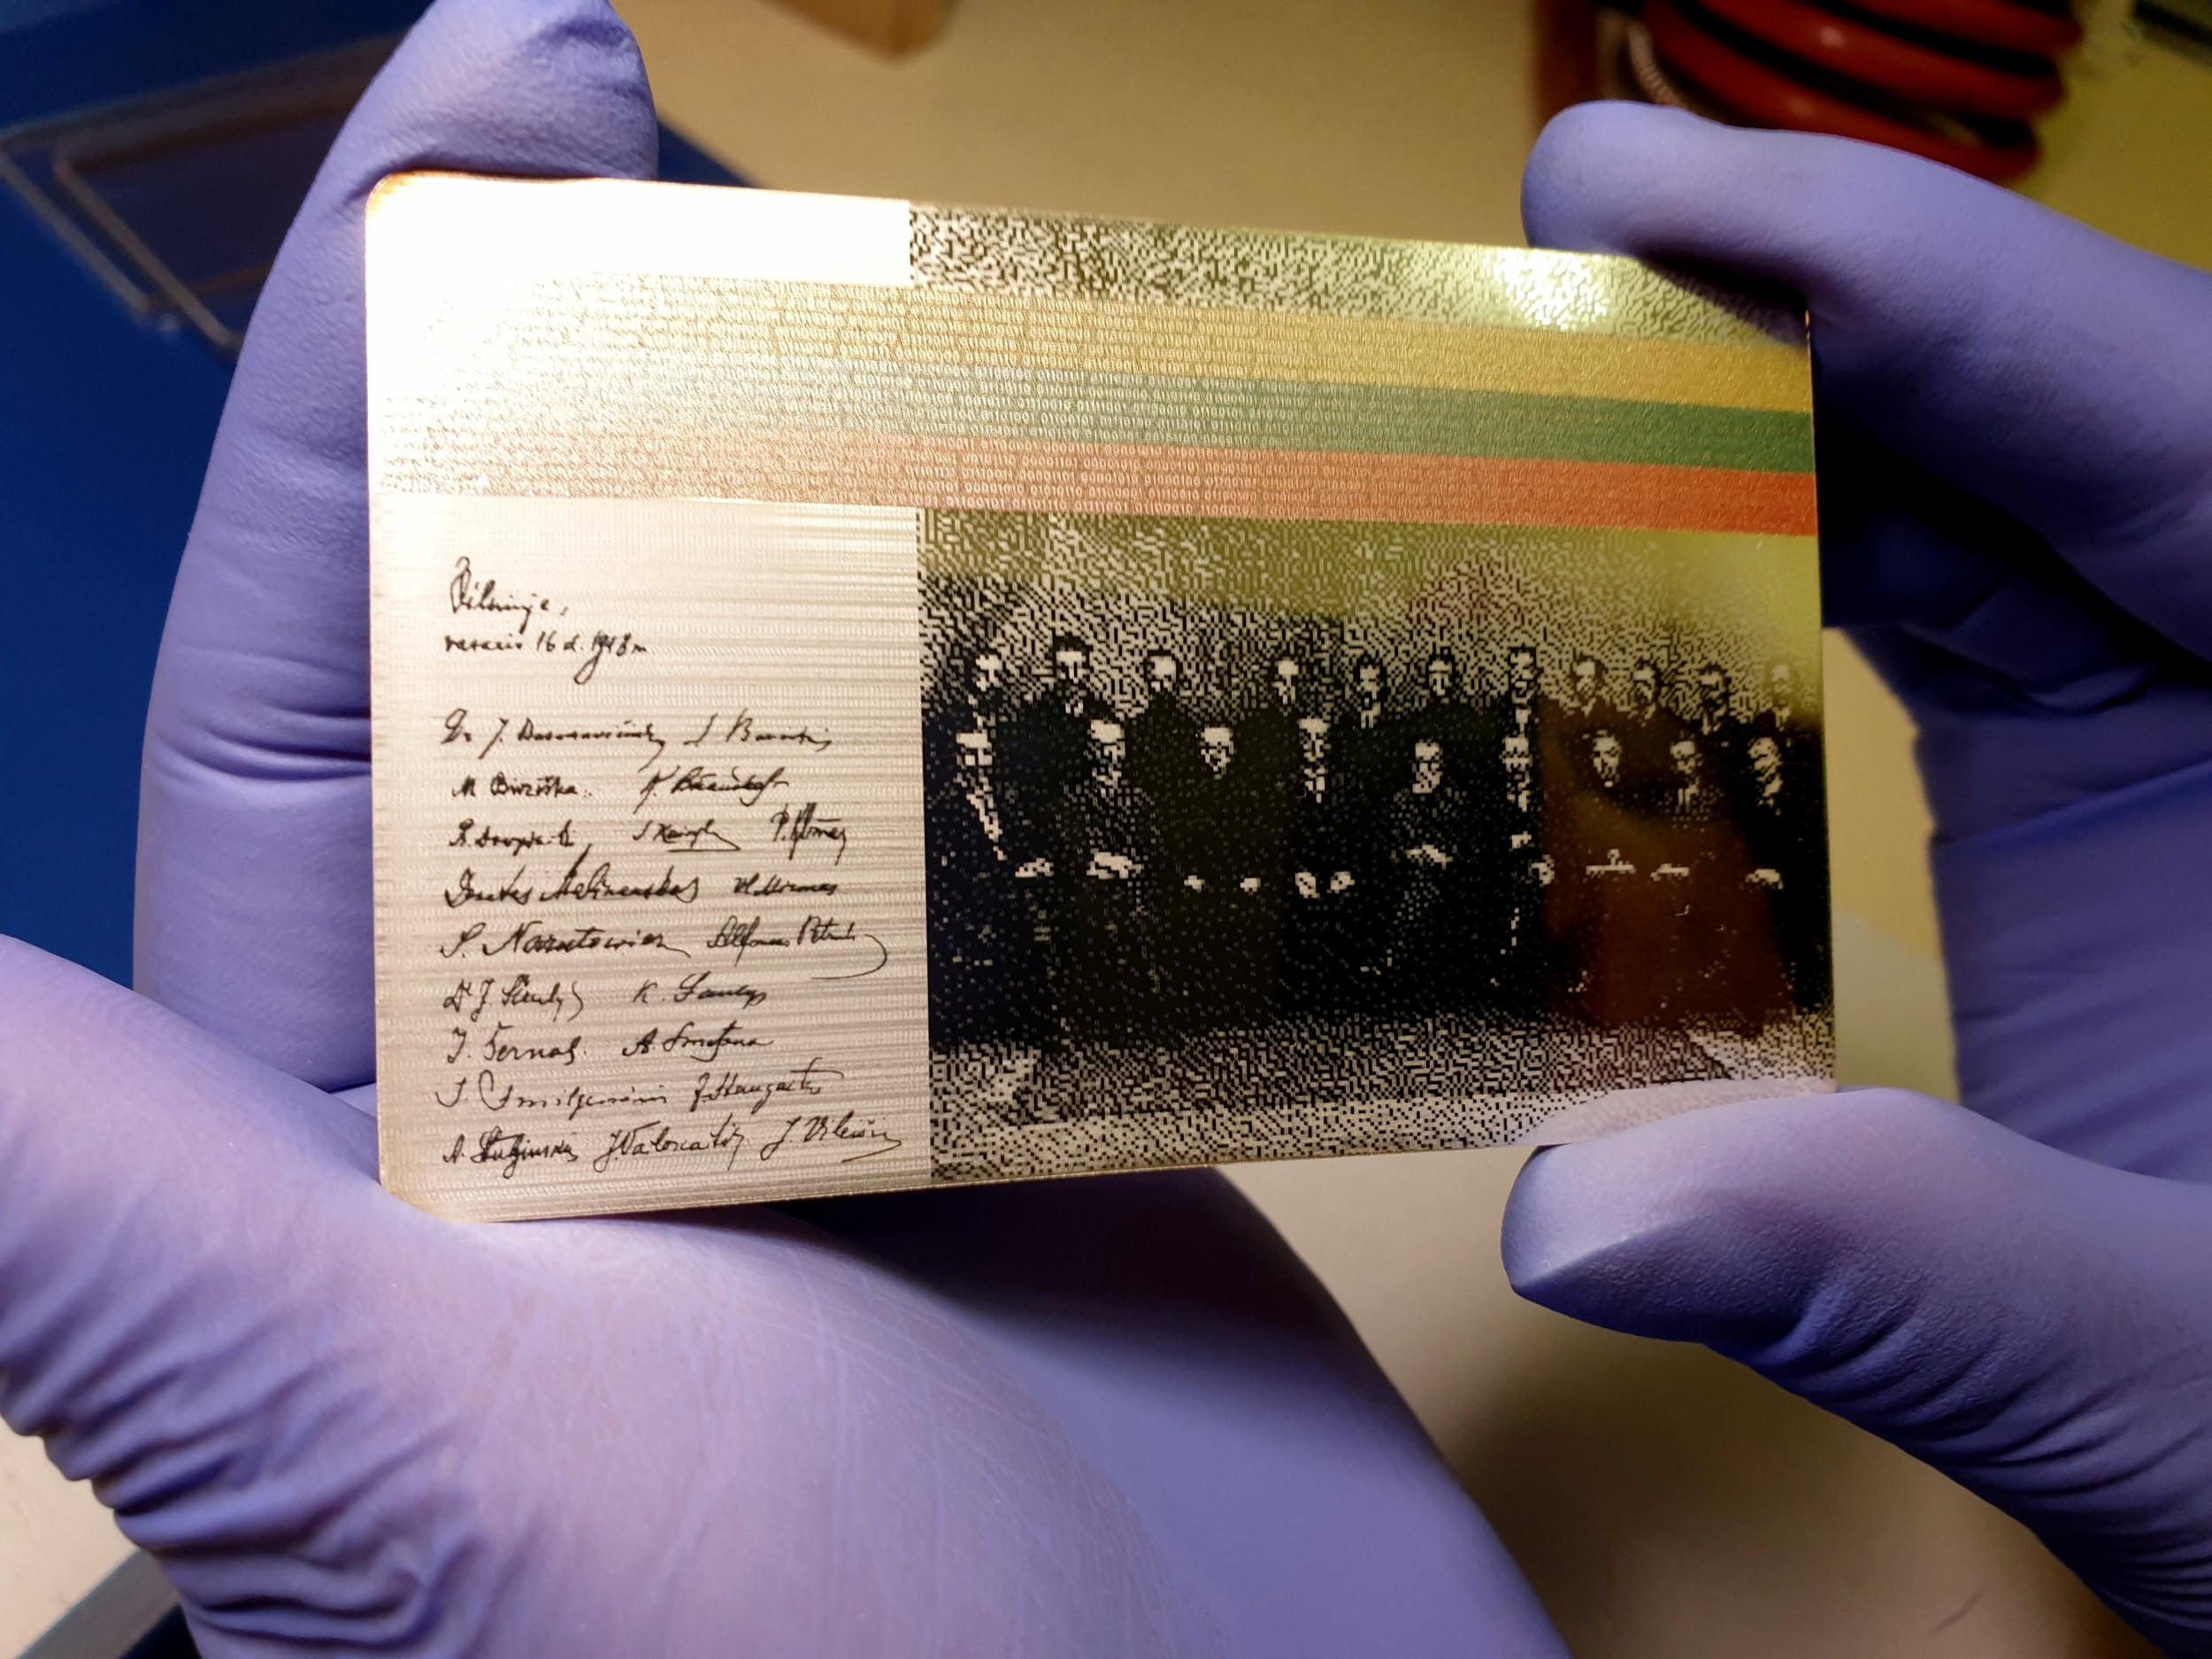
950 400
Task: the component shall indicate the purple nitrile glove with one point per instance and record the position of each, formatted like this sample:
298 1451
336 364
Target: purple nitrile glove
1110 1418
2016 444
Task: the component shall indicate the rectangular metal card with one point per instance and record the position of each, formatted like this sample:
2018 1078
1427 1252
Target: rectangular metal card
875 695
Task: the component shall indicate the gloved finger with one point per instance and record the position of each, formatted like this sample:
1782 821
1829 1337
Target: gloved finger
2000 648
2022 357
142 1280
1992 761
1907 549
2032 1324
1192 1358
253 912
344 1426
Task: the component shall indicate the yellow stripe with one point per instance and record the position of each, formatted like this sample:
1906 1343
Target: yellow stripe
712 317
1007 475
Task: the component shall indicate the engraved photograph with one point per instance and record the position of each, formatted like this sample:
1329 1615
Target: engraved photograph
1071 695
1252 837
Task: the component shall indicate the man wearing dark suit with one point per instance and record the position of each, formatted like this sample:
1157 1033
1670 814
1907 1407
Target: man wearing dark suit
1368 740
1517 714
1647 731
1443 713
1564 725
1604 913
983 978
979 706
1047 744
1270 732
1510 909
1222 908
1720 733
1162 734
1373 755
1106 862
1426 955
1784 716
1580 713
1321 888
1715 702
1797 742
1723 965
1785 830
1525 711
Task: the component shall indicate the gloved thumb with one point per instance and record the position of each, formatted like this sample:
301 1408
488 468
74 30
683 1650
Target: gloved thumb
257 736
2036 1326
174 1247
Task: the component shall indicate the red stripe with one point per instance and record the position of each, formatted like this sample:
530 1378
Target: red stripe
859 469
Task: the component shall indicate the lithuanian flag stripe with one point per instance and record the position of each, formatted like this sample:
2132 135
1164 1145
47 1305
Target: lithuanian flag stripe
1008 475
1063 407
1057 335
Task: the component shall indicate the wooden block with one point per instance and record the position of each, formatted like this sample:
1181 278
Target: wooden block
893 27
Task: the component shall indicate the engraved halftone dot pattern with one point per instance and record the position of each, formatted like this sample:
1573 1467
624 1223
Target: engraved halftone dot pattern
1237 445
1309 1089
1235 593
981 474
1227 599
690 324
1346 276
1096 405
1126 368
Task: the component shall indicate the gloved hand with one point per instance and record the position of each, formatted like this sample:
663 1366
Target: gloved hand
1107 1417
2015 423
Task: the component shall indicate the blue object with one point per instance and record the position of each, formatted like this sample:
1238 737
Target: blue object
105 423
57 56
104 429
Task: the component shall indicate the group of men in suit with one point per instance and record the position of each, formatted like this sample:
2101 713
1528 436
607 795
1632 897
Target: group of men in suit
1102 876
